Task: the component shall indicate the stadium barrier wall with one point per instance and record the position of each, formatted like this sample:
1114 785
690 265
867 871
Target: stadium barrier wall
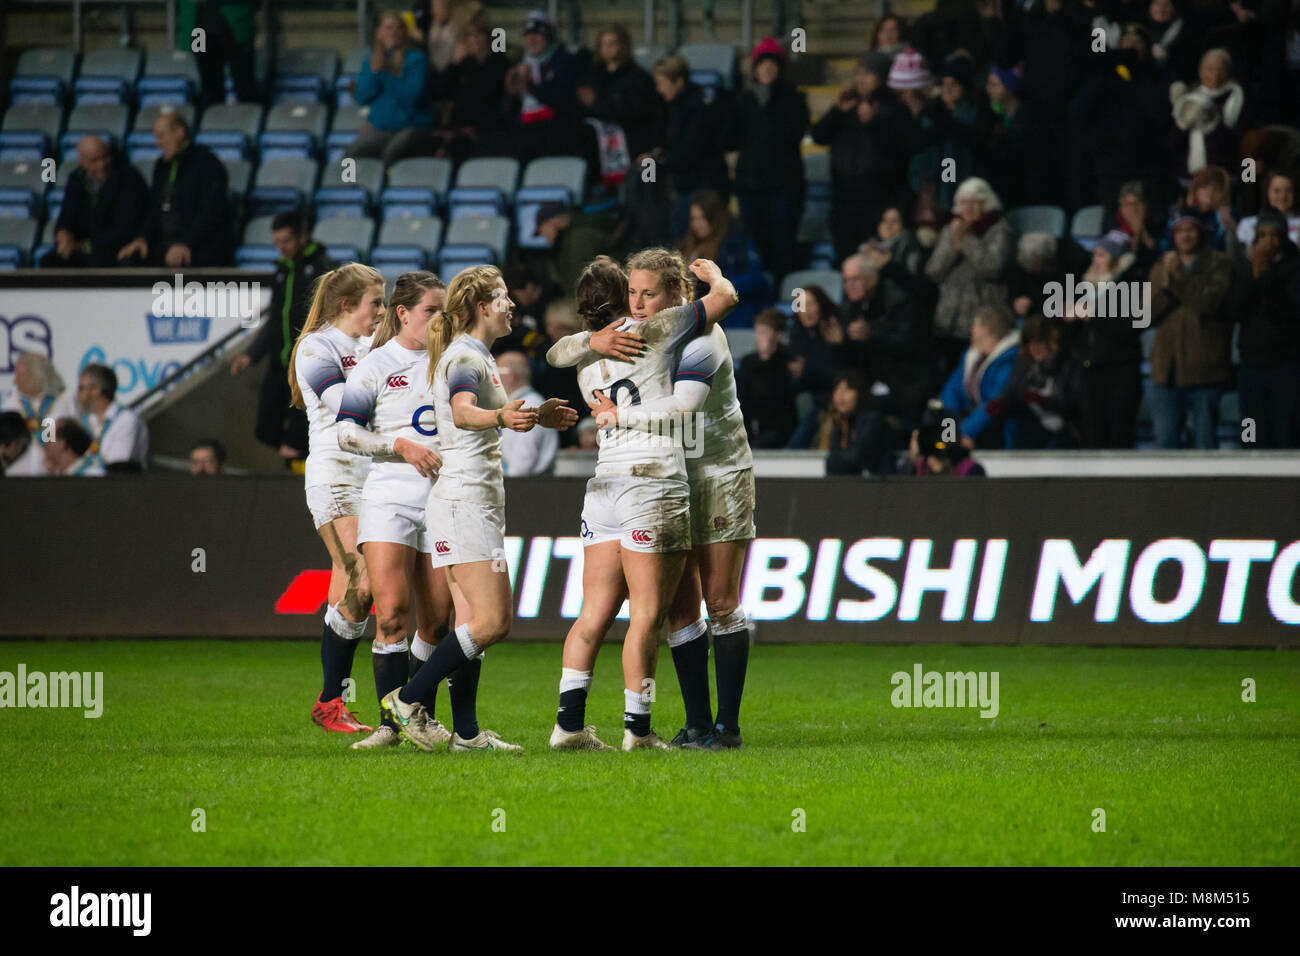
1193 562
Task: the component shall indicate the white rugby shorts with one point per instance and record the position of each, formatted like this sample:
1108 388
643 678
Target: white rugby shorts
649 515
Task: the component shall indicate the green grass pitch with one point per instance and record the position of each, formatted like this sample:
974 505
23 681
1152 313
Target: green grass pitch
1161 740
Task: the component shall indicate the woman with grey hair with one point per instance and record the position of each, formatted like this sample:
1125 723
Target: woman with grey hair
1208 120
37 387
970 263
1041 258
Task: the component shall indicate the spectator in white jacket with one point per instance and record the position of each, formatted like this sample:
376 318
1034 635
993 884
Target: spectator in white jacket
119 440
531 452
37 388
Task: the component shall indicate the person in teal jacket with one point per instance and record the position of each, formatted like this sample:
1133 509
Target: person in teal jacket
394 84
228 29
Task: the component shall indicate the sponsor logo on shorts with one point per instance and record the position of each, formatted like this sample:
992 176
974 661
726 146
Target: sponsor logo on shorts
641 537
442 547
587 532
397 381
349 361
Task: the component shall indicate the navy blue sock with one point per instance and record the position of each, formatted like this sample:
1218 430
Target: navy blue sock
639 724
445 660
691 660
462 688
730 658
390 674
572 715
336 655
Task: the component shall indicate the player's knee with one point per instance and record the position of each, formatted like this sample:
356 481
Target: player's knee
491 628
726 620
392 625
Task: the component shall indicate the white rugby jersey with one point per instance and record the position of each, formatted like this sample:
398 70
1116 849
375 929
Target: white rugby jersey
471 460
325 359
642 380
389 393
724 442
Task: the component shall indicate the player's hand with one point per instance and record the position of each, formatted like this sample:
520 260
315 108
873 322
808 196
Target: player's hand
240 363
612 343
425 460
517 418
706 270
603 410
555 413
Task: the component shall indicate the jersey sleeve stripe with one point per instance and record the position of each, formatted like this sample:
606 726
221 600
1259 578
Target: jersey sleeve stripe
463 387
358 417
328 378
697 376
701 318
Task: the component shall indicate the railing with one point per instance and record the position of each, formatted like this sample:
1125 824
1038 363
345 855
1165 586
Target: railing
151 397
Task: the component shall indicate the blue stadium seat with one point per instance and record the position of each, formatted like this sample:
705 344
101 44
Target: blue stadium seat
17 236
43 76
239 176
145 166
647 55
356 198
305 75
293 130
484 187
30 131
1050 219
230 129
416 187
551 185
346 238
108 76
407 244
343 130
1085 227
257 250
282 185
170 77
22 189
105 120
47 242
828 279
712 64
140 143
474 240
346 82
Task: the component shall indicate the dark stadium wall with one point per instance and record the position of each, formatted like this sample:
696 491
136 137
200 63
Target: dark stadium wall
1196 562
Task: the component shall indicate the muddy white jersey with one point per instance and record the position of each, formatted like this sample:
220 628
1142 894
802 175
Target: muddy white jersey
389 393
471 460
723 442
642 380
324 360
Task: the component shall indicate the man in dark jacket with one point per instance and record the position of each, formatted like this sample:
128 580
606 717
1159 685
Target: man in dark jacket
302 261
106 204
543 89
691 157
764 385
769 170
475 84
189 222
1265 299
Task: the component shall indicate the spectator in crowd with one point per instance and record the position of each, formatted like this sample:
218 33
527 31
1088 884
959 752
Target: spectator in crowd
1191 354
1107 353
910 81
899 242
302 261
1041 258
394 83
1133 217
952 130
189 221
1052 44
966 25
587 429
37 391
207 457
443 26
1266 301
576 236
1208 120
531 452
764 385
543 91
691 157
1006 149
228 28
1038 392
714 235
475 85
103 209
1168 37
889 310
15 441
969 264
851 431
1207 199
887 36
616 90
769 170
119 440
815 342
528 324
980 377
1119 122
1279 195
72 452
930 454
860 278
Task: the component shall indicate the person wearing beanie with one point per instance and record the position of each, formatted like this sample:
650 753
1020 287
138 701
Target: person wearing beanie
1191 356
1007 144
1207 199
1279 194
868 132
909 78
1265 299
542 91
772 118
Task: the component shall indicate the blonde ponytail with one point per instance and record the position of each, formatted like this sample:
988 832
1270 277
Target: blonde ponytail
467 291
334 290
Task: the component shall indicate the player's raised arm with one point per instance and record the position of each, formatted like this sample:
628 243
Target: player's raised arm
721 297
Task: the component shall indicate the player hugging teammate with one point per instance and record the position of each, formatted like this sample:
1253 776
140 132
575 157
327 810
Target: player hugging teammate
654 521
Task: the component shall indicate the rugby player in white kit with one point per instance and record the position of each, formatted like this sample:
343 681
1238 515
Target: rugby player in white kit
387 415
465 514
636 518
346 306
